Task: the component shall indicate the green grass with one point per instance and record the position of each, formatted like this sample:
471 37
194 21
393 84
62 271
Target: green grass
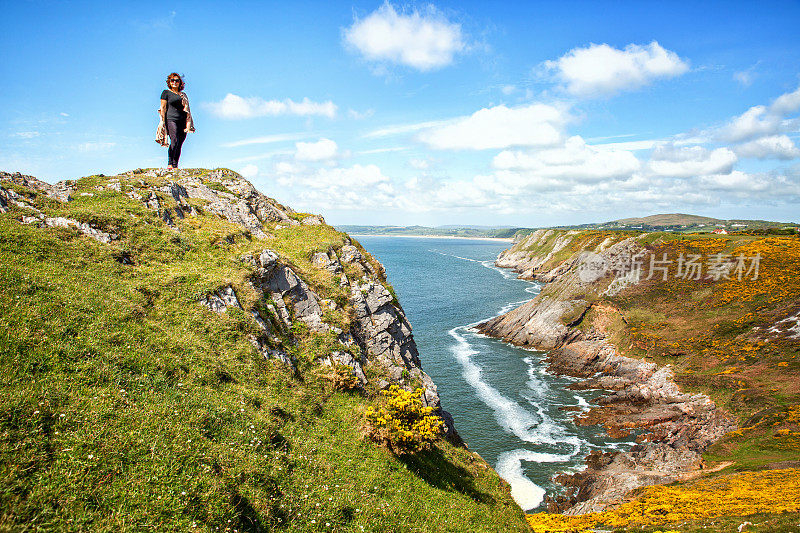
128 406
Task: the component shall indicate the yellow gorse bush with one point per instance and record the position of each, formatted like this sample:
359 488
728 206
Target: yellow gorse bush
772 491
402 422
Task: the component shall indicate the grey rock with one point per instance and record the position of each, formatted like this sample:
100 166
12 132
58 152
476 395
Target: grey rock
320 260
84 228
281 282
260 344
350 254
347 359
61 191
221 300
314 220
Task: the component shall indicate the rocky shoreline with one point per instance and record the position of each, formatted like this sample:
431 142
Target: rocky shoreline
673 428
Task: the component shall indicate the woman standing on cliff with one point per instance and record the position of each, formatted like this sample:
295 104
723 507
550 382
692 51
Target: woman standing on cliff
176 118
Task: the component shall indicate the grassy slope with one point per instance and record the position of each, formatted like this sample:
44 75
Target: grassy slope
705 330
129 406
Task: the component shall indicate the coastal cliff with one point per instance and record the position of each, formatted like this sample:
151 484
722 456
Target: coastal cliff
644 336
183 352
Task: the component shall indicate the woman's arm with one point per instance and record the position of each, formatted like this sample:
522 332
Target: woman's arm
163 110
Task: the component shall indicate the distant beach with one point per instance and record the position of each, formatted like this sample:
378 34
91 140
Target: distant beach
504 239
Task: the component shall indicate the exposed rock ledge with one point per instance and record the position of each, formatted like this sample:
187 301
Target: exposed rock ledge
674 428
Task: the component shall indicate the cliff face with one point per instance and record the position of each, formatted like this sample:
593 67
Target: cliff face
575 319
181 352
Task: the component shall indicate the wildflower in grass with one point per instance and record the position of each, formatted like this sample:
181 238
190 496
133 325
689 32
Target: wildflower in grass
402 422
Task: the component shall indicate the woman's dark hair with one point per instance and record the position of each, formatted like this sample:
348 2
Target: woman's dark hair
176 75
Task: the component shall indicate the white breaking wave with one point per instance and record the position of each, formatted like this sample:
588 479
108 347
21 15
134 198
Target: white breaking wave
516 420
509 414
456 256
582 403
524 491
508 307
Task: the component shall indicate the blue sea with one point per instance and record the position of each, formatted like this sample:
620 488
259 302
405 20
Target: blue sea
506 406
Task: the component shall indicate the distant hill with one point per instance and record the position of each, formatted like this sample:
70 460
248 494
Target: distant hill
679 222
671 219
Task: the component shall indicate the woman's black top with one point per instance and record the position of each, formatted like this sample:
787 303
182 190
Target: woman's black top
174 106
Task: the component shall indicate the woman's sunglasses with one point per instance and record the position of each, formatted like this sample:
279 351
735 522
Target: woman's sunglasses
174 81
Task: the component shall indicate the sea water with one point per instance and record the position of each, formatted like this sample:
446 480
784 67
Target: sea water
506 406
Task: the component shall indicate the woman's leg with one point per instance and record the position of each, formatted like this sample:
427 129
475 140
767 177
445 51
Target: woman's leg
176 138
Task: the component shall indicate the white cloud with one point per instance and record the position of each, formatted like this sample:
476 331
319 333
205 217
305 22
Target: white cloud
355 177
761 120
629 145
690 161
26 134
258 157
422 41
574 161
249 171
601 70
736 181
755 122
236 107
787 103
772 147
321 150
745 77
267 139
383 150
284 167
358 187
419 164
399 129
500 127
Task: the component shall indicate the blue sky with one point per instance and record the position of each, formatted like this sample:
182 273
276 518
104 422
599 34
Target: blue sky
512 113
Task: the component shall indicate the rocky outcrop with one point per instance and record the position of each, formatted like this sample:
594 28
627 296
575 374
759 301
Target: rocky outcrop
379 335
545 321
673 428
529 265
60 192
380 328
224 193
225 298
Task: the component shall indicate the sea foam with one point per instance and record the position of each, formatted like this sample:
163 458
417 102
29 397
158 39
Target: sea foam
525 492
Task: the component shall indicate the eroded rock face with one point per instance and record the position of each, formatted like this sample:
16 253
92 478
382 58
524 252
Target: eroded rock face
225 298
282 284
61 191
348 360
676 427
610 477
381 329
227 194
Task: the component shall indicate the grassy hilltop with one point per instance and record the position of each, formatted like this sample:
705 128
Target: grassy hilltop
129 406
735 340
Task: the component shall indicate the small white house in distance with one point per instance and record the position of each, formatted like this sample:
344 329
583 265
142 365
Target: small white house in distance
720 231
